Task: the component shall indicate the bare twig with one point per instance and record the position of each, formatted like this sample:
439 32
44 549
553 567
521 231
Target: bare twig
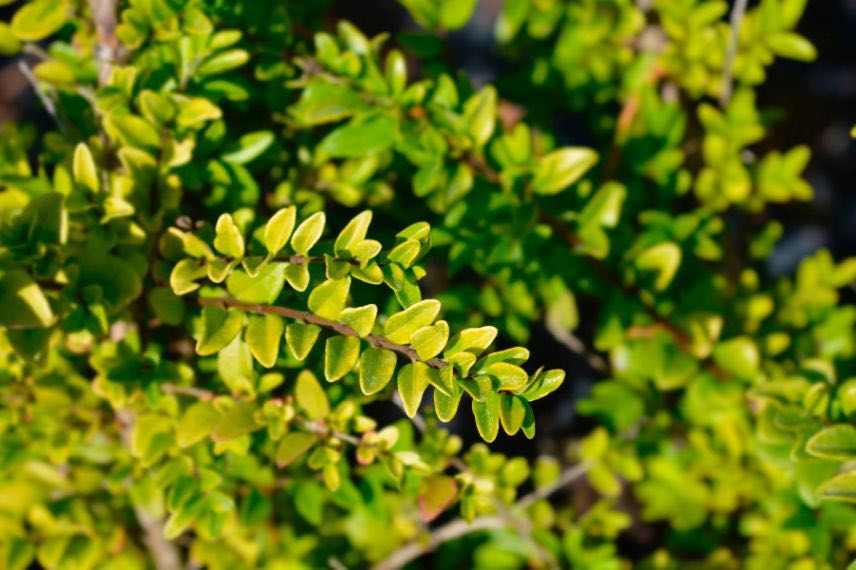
307 317
104 16
737 12
459 527
164 553
572 342
47 102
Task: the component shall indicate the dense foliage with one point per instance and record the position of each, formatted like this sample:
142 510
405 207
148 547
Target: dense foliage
251 229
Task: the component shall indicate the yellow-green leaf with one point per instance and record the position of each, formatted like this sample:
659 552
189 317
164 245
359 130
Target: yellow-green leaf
353 233
308 233
340 356
196 423
236 421
293 446
377 365
311 397
263 288
840 488
474 341
509 376
297 275
487 416
328 299
401 326
279 228
837 443
512 412
447 406
560 168
23 302
361 319
300 338
37 20
196 110
664 258
263 335
412 383
83 167
219 327
229 241
430 341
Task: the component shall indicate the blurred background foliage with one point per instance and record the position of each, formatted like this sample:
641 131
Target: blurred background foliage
662 213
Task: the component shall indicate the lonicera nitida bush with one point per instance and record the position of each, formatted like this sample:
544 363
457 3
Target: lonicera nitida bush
249 227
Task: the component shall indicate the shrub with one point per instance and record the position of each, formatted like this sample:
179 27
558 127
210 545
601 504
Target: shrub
250 230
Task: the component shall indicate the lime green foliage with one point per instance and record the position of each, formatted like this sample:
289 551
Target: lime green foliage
263 258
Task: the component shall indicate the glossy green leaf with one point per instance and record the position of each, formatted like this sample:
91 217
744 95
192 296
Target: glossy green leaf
401 326
236 421
264 288
377 365
543 383
328 299
223 61
340 356
229 241
183 277
560 168
508 376
837 443
196 423
474 341
665 259
359 139
24 303
840 488
300 338
218 328
293 446
38 19
361 319
194 112
85 171
279 228
431 340
311 397
446 406
308 233
249 147
353 233
263 335
132 131
512 412
412 383
487 416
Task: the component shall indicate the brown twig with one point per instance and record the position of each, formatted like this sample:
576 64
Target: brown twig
307 317
107 46
737 12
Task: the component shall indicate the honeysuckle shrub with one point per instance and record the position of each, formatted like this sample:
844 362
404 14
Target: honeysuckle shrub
259 259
